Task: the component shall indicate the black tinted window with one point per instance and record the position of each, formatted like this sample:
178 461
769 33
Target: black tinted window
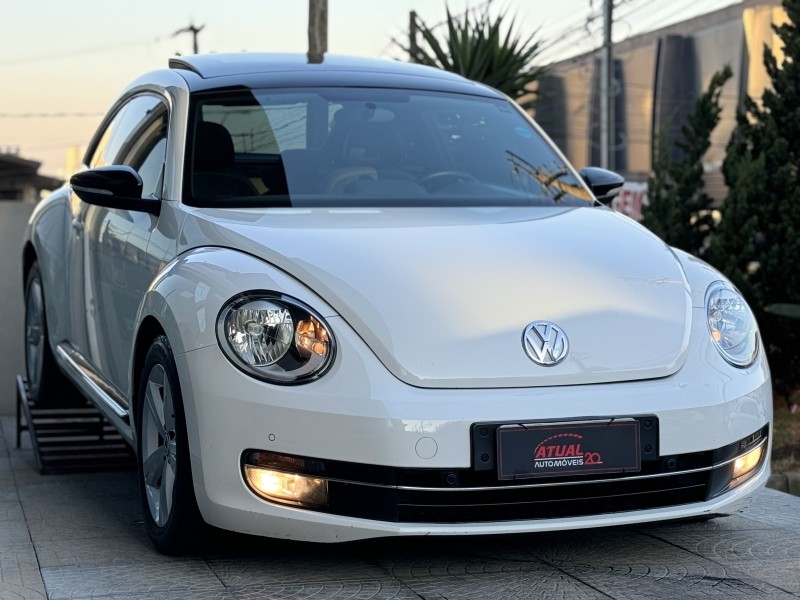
382 147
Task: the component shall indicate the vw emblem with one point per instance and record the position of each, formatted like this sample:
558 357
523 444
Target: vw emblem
545 343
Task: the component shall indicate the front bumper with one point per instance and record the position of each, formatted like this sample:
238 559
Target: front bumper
475 496
359 414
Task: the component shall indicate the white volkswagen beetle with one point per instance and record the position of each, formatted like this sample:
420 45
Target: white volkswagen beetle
365 298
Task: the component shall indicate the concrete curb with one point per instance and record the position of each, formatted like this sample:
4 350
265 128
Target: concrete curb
785 482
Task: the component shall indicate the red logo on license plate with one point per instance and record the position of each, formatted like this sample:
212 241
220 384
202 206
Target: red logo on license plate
563 450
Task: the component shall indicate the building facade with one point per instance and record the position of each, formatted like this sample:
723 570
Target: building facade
657 78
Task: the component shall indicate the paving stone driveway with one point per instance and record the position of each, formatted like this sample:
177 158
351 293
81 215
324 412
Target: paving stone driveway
81 536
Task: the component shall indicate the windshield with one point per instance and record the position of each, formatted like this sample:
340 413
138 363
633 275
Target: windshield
342 147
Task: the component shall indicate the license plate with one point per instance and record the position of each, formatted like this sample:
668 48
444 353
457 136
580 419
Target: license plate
568 448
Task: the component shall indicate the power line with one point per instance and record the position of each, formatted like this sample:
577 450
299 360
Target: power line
50 115
53 145
637 8
79 52
26 60
660 18
660 11
563 37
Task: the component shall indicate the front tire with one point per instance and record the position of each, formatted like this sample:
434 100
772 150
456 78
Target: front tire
171 516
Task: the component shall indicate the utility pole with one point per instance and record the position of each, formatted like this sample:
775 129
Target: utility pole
317 30
606 91
413 28
194 31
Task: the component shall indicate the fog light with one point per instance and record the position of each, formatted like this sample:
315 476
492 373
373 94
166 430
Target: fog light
737 463
287 488
747 462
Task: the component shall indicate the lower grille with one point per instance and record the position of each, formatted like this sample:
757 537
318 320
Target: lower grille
551 502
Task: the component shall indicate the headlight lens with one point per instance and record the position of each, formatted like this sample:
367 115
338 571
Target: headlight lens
731 324
275 338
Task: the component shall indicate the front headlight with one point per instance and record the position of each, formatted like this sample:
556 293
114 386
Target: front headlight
731 324
275 338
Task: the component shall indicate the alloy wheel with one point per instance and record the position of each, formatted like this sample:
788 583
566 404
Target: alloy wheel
159 447
34 334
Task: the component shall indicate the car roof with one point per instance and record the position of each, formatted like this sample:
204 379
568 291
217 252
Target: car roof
256 69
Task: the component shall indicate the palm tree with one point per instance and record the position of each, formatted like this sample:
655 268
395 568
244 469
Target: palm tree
476 47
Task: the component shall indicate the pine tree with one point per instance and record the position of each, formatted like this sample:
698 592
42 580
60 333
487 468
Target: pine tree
757 244
679 210
658 215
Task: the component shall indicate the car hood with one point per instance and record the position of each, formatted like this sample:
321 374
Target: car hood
442 296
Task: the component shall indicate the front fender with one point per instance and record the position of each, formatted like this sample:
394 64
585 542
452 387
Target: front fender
48 231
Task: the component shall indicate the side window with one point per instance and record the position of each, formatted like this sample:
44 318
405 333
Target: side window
137 137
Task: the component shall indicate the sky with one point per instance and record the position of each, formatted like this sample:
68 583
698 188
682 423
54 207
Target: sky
63 62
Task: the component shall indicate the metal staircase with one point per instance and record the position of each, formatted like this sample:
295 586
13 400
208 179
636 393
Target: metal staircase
70 440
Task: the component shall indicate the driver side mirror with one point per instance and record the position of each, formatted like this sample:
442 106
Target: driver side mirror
604 184
114 186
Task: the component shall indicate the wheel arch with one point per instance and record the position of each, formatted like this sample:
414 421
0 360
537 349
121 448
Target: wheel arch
149 329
